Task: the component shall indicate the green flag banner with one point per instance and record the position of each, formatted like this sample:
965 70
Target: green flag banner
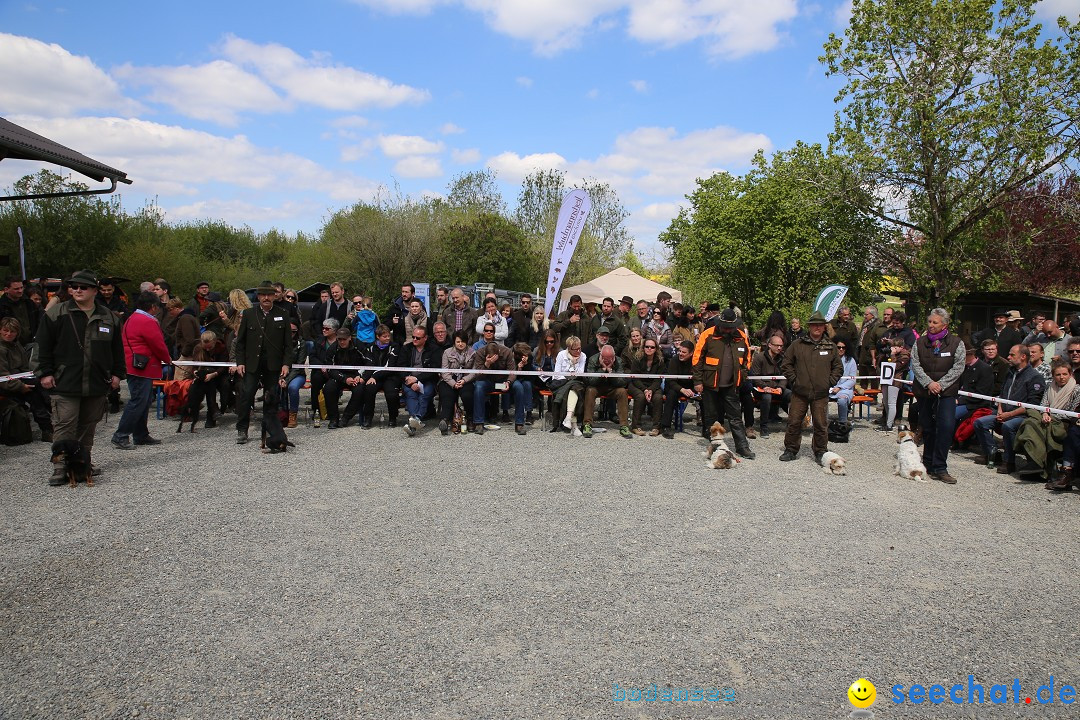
828 300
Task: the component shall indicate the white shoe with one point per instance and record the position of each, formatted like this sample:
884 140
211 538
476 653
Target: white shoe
575 432
414 423
568 422
492 426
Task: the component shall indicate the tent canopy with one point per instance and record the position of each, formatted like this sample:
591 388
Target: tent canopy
620 281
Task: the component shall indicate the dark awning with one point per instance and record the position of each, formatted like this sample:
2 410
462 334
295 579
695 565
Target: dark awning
18 143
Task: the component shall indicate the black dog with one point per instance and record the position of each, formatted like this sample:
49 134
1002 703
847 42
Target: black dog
274 439
76 461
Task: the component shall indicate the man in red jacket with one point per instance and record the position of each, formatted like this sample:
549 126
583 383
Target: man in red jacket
141 336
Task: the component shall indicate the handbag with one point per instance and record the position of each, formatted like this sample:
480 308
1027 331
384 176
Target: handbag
839 431
138 360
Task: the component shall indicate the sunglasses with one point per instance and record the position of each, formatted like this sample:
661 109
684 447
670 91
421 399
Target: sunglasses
290 297
549 342
650 347
1074 352
76 286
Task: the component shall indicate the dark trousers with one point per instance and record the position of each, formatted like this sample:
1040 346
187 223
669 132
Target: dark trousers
726 401
198 390
671 401
133 420
448 397
766 402
655 406
391 388
77 417
40 405
1071 446
318 382
819 413
746 400
333 390
937 419
250 386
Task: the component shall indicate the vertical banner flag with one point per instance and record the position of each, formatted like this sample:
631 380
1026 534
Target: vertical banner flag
575 208
22 253
828 300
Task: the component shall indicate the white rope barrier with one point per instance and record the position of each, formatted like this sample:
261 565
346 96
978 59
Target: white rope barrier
18 376
1006 401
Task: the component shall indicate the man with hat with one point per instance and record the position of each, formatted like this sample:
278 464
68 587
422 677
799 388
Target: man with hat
262 341
1000 331
80 359
721 360
201 299
626 305
811 366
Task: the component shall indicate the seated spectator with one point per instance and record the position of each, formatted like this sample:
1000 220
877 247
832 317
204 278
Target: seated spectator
456 382
522 387
322 353
459 316
440 339
385 353
493 356
676 389
660 331
206 379
294 381
534 328
1041 435
794 332
488 336
544 357
1052 338
978 378
492 315
1035 350
568 390
1023 384
771 395
999 366
603 337
342 379
646 392
418 385
635 348
14 360
605 362
844 390
507 311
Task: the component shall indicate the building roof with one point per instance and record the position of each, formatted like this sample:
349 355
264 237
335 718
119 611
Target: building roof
18 143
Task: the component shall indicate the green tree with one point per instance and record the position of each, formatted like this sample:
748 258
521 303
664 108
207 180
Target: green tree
951 106
768 240
476 192
486 248
62 234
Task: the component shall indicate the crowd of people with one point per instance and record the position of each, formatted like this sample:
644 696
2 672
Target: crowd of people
467 369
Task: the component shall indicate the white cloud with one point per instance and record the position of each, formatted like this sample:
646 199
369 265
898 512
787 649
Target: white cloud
729 28
659 211
525 82
237 212
169 160
46 80
399 145
513 168
640 86
350 121
1050 10
217 91
418 166
466 157
315 82
352 153
451 129
842 14
592 94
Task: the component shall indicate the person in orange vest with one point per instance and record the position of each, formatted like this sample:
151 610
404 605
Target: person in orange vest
721 360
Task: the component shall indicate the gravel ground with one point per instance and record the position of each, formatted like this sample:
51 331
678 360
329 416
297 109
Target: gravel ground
366 574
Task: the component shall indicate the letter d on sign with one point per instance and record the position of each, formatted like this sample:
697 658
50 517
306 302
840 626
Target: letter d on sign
888 372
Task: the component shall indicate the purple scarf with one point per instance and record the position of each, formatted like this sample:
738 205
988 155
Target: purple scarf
936 338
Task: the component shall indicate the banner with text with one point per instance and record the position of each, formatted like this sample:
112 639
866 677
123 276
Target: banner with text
575 208
828 300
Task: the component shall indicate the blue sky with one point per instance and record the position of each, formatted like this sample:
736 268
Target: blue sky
277 114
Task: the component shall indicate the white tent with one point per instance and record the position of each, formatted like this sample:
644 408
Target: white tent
615 284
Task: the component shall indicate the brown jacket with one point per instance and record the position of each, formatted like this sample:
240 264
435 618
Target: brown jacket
811 368
505 362
708 357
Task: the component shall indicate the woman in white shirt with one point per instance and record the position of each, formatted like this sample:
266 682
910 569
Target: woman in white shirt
567 390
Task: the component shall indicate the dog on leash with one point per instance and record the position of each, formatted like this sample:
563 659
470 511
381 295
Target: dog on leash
719 455
909 463
832 463
274 439
76 461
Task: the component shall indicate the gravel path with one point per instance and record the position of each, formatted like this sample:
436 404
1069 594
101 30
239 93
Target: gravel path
369 575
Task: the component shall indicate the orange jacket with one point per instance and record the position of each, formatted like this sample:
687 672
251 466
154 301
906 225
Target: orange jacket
708 354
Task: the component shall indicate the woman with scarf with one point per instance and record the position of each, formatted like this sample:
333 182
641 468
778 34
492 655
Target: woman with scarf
456 383
1043 435
937 361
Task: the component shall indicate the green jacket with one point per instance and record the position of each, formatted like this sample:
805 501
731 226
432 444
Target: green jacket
593 366
264 338
80 352
811 368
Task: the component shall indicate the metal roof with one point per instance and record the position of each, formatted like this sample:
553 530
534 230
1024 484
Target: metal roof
18 143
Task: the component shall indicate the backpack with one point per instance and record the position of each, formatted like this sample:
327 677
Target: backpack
15 425
839 431
176 396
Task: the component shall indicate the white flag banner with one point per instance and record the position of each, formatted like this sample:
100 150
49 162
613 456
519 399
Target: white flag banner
575 208
22 253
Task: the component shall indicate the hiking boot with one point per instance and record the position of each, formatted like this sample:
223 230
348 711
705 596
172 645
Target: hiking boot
46 435
638 431
444 428
1006 469
409 430
121 443
59 475
668 434
478 428
586 430
751 434
241 437
625 432
788 456
945 477
746 453
519 429
292 420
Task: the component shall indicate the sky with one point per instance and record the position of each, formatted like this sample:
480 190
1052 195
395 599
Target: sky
276 115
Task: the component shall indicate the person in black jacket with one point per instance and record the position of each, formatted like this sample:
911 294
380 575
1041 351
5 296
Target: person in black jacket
977 378
262 343
340 380
677 389
419 386
384 352
322 353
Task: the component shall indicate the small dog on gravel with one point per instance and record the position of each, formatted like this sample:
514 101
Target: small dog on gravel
719 455
76 461
908 458
832 463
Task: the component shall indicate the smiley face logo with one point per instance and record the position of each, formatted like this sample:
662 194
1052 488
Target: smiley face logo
862 693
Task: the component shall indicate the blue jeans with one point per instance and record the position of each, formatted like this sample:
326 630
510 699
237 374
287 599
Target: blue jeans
1008 429
133 421
1071 446
937 419
292 394
962 411
480 396
417 403
522 390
